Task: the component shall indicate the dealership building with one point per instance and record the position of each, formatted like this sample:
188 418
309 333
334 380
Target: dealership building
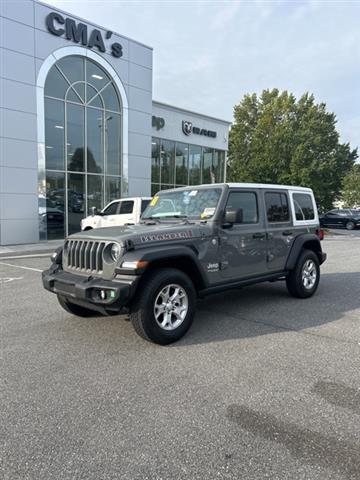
79 127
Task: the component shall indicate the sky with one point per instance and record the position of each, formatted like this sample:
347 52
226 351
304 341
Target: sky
208 54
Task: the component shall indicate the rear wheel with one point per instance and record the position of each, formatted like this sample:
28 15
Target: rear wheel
303 281
350 225
75 309
164 307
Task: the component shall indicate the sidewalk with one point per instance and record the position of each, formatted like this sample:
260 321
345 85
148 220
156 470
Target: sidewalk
33 249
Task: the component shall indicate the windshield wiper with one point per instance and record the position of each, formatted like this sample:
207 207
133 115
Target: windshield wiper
183 217
151 218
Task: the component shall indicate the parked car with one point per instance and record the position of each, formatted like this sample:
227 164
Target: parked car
191 242
342 218
123 211
50 217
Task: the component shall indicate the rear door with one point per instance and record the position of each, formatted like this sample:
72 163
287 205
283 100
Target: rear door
243 246
279 228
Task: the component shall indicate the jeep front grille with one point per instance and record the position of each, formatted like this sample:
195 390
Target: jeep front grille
84 256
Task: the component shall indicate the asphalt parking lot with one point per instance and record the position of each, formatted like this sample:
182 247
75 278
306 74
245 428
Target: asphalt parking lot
263 385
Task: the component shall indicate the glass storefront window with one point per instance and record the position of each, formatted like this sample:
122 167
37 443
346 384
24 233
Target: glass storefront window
112 189
181 164
167 160
155 160
208 174
82 138
54 134
52 207
194 165
75 137
221 166
72 68
95 135
75 200
95 191
112 133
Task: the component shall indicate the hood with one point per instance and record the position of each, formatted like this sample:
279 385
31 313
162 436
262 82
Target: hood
142 234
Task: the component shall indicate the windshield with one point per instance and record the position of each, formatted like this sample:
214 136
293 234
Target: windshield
196 204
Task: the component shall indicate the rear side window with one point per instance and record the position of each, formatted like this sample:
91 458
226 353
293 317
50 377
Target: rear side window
127 207
144 204
111 209
277 207
304 208
247 201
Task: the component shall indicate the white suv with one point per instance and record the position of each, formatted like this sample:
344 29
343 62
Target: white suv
123 211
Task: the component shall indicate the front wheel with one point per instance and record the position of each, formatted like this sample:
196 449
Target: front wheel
350 225
164 307
303 281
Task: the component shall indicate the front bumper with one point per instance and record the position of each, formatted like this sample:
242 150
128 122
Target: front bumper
90 292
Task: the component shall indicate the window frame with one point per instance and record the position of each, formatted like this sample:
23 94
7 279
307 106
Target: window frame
121 204
108 205
295 200
256 193
290 207
315 220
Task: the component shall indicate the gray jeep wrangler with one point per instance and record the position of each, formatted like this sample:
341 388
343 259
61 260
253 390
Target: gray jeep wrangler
190 242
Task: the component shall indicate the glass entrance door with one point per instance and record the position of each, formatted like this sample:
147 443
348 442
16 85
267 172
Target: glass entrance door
82 145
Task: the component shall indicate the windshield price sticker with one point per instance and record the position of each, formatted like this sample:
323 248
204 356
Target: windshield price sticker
154 201
193 193
208 212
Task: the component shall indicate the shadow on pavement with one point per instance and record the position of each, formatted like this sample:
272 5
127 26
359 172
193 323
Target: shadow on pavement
267 308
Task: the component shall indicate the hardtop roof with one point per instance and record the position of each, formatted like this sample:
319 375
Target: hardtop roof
268 186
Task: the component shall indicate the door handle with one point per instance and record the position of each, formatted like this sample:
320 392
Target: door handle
259 235
286 233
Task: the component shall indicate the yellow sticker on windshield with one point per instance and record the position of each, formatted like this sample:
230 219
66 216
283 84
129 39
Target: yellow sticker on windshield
154 201
208 212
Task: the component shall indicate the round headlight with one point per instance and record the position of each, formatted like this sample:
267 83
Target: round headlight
115 252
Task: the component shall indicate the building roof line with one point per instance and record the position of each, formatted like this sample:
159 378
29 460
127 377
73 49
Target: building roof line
48 5
186 110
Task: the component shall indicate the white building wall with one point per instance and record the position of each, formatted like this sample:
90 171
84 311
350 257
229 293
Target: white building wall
24 45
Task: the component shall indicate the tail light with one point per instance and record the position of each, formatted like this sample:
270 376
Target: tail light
320 233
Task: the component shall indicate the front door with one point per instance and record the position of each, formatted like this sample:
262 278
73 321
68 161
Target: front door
108 215
280 230
243 245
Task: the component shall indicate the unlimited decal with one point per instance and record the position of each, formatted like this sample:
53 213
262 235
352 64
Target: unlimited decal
158 237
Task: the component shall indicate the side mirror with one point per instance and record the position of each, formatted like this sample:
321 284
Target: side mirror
93 211
233 215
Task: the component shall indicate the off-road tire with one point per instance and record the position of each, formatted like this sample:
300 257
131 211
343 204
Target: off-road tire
350 225
294 280
142 308
75 309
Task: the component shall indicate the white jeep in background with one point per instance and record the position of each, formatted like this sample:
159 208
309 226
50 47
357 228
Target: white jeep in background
123 211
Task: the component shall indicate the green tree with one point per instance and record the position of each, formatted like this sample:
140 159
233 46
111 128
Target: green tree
351 187
277 139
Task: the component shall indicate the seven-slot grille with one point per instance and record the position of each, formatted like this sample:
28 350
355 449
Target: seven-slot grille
85 256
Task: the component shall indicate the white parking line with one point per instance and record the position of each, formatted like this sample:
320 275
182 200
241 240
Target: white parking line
26 256
20 266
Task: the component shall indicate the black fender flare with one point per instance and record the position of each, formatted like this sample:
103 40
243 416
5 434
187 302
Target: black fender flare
161 253
298 245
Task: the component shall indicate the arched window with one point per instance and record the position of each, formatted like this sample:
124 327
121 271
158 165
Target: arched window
82 143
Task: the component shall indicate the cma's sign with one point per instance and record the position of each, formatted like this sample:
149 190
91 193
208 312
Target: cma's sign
78 33
188 129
